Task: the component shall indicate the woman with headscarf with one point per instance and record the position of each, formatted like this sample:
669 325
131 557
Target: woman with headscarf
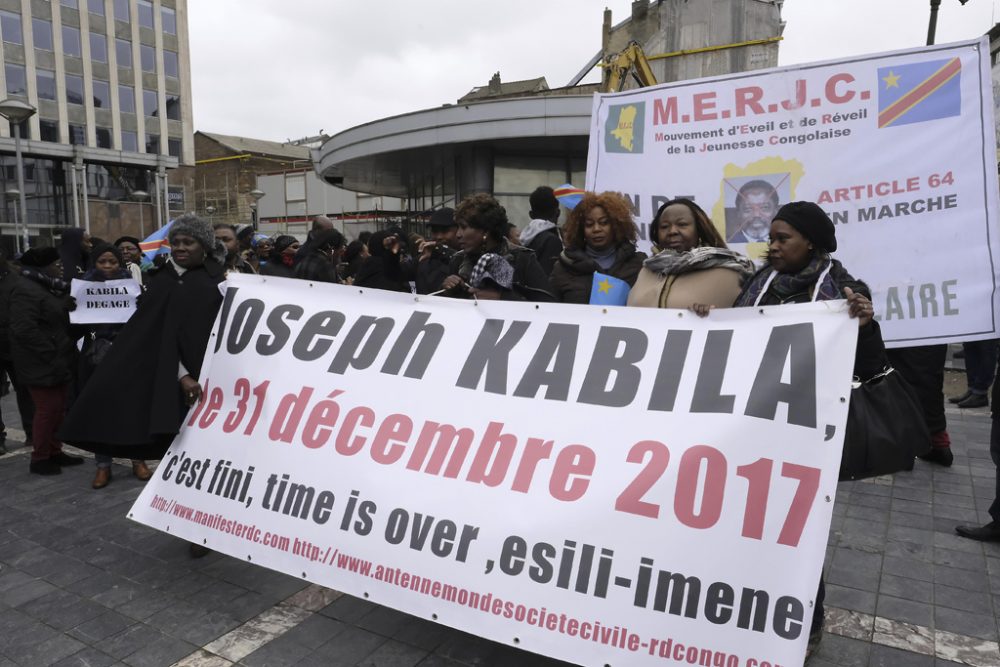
282 259
106 263
74 251
43 352
799 269
691 263
600 238
136 414
488 266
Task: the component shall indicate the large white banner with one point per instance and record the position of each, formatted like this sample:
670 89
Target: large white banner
619 486
898 148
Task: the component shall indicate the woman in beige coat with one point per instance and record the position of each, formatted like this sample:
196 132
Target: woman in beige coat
691 263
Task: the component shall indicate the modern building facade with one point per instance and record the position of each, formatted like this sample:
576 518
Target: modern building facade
509 138
110 80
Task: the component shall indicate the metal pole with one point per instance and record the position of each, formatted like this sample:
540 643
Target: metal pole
86 201
156 199
165 200
76 195
932 25
20 183
142 225
17 231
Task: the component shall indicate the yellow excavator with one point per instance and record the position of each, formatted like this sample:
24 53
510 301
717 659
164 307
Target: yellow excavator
630 61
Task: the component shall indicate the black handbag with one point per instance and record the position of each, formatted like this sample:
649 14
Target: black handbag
885 427
96 350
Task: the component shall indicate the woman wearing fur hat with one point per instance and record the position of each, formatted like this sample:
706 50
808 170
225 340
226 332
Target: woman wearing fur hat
43 352
137 414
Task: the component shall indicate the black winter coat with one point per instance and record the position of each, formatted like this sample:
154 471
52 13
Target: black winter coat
133 405
8 279
572 277
40 344
277 269
547 246
529 284
870 358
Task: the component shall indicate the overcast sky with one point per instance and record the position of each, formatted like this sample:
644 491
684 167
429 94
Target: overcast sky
285 69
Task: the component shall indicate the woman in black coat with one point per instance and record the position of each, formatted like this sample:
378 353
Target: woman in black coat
384 267
137 414
282 258
488 266
74 252
106 263
43 352
600 238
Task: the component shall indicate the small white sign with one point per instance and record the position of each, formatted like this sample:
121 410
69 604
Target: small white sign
108 302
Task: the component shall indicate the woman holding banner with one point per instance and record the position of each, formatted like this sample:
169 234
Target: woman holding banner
692 263
600 238
488 266
107 262
137 414
799 269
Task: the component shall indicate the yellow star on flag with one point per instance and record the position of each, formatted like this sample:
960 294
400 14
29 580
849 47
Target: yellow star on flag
604 286
891 80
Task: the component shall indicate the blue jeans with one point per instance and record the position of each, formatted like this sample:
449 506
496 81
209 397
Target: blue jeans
980 364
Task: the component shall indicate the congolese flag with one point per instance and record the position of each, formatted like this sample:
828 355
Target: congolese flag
608 291
568 196
156 243
919 92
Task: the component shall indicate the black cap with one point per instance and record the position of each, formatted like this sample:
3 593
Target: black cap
39 257
443 217
810 221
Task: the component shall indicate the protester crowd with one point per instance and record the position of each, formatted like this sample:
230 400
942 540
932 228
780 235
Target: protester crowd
123 389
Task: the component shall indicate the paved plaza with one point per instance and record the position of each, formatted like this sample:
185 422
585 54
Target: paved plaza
82 585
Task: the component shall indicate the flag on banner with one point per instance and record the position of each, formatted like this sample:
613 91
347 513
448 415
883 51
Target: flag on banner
569 196
919 92
156 243
608 291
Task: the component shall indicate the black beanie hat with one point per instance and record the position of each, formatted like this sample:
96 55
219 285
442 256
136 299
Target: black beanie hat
810 221
39 257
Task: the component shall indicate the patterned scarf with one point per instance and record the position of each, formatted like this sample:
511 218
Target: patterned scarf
672 263
785 285
491 266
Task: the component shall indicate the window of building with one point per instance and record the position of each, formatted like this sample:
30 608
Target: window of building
145 12
98 47
71 41
123 51
149 102
169 17
10 25
69 3
130 142
121 10
78 134
126 99
46 79
42 31
173 107
152 143
48 130
74 89
147 55
170 64
96 7
103 137
17 80
295 194
174 147
102 94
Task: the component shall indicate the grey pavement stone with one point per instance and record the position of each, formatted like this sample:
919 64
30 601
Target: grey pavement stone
99 628
977 602
62 610
130 640
964 579
908 611
850 598
162 652
348 609
277 652
88 657
884 656
901 587
350 646
394 654
962 560
24 593
843 651
965 623
49 651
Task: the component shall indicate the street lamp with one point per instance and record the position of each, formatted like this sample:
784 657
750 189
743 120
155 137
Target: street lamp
140 196
16 112
12 194
255 206
932 24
